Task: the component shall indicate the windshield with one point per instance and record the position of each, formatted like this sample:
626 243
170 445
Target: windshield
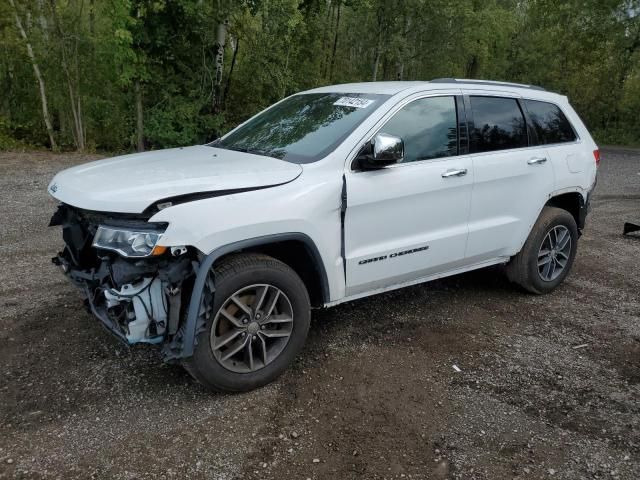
303 128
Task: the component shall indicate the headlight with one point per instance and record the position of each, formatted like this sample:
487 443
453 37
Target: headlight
128 243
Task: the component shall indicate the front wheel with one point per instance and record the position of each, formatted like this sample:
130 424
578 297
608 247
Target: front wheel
548 254
258 323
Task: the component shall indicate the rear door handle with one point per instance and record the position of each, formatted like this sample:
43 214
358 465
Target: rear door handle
458 172
536 160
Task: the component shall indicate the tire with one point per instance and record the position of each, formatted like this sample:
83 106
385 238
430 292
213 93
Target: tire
248 278
523 269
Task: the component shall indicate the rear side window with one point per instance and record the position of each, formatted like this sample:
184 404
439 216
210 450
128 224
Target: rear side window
428 127
498 124
549 123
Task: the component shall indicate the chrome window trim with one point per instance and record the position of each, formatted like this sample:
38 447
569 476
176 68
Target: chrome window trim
530 147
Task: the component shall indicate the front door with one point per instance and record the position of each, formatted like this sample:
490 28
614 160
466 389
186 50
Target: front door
409 220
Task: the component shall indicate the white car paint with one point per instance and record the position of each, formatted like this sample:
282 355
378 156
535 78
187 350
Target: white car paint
404 207
414 207
131 183
506 175
467 222
308 205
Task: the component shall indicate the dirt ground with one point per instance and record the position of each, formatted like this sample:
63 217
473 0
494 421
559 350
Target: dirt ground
374 395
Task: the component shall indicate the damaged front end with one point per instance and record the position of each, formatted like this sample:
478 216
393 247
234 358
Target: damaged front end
138 290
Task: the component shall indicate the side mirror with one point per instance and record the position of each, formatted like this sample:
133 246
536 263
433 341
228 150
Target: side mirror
382 151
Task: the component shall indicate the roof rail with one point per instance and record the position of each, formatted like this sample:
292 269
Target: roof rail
486 82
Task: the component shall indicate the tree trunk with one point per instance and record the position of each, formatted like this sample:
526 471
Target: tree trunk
36 72
378 52
376 63
44 25
627 56
403 48
92 17
227 86
335 43
472 67
74 95
139 117
325 39
221 34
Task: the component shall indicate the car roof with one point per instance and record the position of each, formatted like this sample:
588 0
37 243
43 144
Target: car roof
385 88
393 88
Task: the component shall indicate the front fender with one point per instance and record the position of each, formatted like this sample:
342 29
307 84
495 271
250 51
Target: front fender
307 211
309 206
184 343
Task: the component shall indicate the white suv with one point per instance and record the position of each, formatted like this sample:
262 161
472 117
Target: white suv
218 252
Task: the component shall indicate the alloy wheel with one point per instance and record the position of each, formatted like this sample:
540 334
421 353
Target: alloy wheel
554 253
251 328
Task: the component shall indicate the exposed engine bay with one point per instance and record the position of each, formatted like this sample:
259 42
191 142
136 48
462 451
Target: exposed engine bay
140 308
139 299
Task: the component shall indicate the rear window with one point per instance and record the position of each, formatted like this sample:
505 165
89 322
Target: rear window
498 124
549 122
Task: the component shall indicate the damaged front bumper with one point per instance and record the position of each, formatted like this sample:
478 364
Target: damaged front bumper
139 300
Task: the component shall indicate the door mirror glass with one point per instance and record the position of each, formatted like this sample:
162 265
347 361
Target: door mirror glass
383 150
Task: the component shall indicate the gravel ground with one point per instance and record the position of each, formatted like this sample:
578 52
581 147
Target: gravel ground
374 395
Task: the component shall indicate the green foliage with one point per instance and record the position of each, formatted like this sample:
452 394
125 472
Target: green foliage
160 55
7 137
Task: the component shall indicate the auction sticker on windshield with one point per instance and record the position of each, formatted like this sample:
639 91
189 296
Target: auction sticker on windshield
353 102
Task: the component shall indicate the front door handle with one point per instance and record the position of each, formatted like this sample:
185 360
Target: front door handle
458 172
536 160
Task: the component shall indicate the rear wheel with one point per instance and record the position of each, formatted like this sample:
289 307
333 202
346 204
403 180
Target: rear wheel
548 254
258 323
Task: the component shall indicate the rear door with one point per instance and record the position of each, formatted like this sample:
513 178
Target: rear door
512 179
409 220
554 131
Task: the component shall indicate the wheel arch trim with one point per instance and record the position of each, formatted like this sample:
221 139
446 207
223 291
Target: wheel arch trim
583 203
191 323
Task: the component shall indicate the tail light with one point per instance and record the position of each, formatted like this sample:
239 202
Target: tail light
596 155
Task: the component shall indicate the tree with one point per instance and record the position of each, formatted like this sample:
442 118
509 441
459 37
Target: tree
36 72
68 45
137 74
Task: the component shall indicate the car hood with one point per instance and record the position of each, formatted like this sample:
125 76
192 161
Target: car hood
131 183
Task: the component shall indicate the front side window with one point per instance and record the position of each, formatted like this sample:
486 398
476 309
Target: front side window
549 122
428 127
498 124
303 128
